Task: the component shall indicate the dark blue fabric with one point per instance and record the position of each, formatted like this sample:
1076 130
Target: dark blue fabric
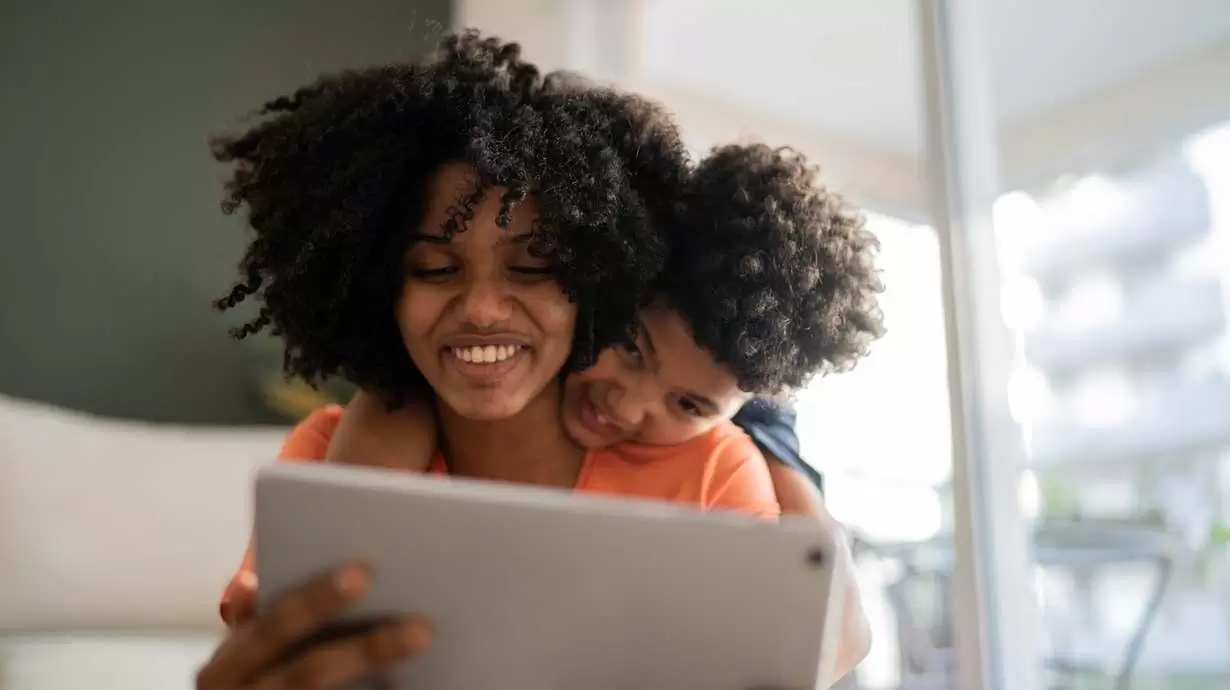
771 426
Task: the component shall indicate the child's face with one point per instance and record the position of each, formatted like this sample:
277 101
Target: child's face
479 315
664 391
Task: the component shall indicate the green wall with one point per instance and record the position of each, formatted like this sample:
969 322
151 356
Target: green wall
111 241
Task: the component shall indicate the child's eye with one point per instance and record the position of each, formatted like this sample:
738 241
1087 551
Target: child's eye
690 408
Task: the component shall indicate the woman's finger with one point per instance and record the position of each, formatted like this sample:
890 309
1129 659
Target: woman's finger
254 647
339 663
238 604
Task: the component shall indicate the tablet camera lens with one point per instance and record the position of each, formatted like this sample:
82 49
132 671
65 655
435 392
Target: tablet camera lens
815 558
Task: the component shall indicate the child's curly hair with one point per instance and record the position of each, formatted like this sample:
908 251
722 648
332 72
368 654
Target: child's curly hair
334 180
775 274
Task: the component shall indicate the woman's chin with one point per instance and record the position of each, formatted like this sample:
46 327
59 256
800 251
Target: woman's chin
488 413
484 408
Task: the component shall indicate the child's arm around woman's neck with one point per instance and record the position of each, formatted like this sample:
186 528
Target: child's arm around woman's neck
372 435
531 448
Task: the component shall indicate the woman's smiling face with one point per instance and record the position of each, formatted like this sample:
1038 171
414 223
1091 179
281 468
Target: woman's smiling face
664 390
479 314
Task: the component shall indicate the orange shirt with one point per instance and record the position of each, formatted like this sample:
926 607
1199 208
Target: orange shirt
721 469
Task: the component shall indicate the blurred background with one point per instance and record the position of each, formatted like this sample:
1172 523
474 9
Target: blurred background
1101 341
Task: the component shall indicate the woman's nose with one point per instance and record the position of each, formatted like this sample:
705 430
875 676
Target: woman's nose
485 303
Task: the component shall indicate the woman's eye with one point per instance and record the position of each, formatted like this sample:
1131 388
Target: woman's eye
433 273
532 273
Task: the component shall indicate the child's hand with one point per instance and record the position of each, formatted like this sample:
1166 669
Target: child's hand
370 434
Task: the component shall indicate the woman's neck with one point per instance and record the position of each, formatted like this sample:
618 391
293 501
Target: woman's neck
530 447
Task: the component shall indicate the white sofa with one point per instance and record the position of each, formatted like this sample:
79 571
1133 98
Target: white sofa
116 538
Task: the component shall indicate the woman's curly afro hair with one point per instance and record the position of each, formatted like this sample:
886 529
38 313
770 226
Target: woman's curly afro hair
775 275
333 180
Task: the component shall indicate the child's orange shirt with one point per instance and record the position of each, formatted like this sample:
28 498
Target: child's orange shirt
721 469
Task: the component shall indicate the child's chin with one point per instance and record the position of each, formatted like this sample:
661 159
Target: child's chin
584 437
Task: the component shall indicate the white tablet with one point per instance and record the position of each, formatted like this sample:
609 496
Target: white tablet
541 589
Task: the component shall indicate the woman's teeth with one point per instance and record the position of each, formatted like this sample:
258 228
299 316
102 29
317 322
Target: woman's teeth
488 354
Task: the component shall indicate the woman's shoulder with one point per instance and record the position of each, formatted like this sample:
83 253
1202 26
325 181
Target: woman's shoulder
310 438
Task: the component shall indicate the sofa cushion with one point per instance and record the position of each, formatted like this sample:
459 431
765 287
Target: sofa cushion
108 524
160 661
